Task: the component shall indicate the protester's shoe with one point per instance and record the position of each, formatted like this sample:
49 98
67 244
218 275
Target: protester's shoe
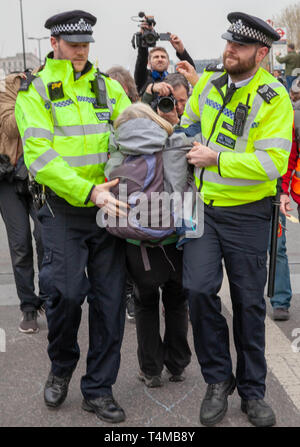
259 413
281 313
56 390
214 404
175 377
150 381
130 309
28 324
105 408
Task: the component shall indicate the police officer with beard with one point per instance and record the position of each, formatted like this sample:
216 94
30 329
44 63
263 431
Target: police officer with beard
245 148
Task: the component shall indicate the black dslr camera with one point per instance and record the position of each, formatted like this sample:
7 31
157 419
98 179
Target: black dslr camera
149 37
166 103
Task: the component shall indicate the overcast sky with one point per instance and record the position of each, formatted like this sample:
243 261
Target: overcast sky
199 23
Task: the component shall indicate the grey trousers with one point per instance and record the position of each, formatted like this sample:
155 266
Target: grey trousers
16 210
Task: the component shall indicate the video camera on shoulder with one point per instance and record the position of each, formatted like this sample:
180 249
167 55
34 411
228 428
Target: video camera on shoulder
149 37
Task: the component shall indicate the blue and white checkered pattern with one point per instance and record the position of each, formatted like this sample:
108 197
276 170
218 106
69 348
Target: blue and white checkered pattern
226 112
66 103
217 106
86 99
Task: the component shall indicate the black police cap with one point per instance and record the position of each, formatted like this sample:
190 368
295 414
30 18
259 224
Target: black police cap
246 29
72 26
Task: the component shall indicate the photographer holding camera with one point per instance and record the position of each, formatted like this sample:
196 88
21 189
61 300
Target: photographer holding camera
157 58
168 98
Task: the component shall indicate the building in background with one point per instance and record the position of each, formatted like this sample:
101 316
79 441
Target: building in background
15 63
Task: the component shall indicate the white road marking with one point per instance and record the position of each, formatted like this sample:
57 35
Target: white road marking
281 360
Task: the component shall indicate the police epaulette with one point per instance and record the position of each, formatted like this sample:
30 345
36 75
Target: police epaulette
212 67
25 83
266 92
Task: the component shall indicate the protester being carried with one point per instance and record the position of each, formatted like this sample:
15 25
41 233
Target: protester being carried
141 127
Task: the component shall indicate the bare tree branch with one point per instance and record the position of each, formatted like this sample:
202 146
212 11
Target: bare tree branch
290 18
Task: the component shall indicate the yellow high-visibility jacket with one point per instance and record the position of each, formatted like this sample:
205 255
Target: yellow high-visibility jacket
248 165
65 137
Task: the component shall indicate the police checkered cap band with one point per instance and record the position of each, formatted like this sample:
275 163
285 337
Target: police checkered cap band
244 30
81 26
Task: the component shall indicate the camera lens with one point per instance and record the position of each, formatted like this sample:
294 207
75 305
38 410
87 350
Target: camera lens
150 38
166 104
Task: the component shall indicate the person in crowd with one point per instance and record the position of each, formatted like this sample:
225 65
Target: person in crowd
140 127
281 300
244 150
290 181
188 71
295 94
291 61
279 76
174 85
64 115
157 59
124 77
17 207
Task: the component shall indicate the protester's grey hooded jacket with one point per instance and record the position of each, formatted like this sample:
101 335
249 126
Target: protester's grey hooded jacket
144 136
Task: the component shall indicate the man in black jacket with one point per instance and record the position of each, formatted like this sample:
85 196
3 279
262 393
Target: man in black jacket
158 60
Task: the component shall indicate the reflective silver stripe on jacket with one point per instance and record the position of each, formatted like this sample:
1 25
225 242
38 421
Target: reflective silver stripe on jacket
281 143
85 160
65 131
42 161
241 142
192 115
37 132
205 92
267 164
73 161
214 177
87 129
40 88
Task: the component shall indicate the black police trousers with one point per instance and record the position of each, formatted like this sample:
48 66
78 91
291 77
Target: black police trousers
153 351
238 235
83 260
16 210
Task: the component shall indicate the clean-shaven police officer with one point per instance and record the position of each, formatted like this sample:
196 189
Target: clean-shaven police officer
246 121
64 117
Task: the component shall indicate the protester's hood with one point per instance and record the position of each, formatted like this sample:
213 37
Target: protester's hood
140 136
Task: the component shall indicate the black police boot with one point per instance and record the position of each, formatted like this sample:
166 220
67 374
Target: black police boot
214 404
105 408
259 412
56 390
